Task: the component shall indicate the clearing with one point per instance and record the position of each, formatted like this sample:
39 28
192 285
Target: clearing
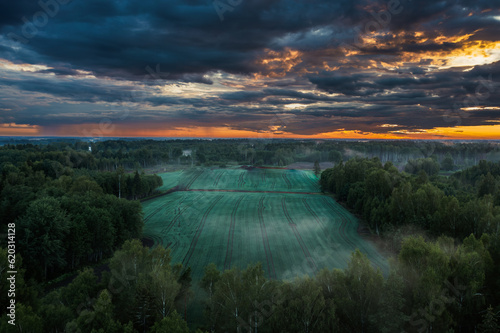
243 215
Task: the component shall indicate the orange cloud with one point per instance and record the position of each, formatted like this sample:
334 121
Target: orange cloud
468 52
19 129
278 64
490 132
471 53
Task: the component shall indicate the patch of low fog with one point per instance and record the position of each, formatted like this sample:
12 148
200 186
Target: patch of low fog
323 225
323 258
324 250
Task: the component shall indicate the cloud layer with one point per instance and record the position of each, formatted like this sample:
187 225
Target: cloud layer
302 68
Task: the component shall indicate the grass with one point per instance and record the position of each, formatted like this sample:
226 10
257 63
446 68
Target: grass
273 216
234 217
247 179
170 179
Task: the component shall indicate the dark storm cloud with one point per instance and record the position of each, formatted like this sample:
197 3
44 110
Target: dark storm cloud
428 14
11 12
95 92
452 83
252 96
351 85
156 43
71 89
120 38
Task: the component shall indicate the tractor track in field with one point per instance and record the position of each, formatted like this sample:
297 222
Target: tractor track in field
192 180
169 226
313 213
303 246
285 211
157 240
156 211
230 237
287 181
375 259
216 182
327 234
267 248
344 217
312 182
241 182
343 221
342 225
199 230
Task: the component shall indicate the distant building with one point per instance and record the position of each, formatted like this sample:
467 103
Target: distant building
186 152
90 148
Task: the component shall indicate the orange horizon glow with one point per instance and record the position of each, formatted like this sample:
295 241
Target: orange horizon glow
483 132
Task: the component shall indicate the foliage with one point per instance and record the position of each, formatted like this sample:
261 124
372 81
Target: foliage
70 209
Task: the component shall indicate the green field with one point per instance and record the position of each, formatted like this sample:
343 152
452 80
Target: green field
233 217
170 179
250 179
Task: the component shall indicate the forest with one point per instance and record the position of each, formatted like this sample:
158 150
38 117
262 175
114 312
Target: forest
132 154
81 267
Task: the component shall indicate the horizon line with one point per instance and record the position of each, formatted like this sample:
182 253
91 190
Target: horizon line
242 138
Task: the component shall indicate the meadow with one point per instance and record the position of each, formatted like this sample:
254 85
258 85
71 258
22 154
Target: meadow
233 217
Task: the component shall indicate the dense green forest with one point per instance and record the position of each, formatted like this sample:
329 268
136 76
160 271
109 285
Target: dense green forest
81 267
467 202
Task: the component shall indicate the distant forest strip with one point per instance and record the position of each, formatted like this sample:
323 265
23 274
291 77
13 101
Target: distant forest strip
109 155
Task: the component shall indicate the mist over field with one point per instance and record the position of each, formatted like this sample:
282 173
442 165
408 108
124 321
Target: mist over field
250 166
153 238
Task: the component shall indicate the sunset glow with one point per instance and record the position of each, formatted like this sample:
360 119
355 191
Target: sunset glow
276 70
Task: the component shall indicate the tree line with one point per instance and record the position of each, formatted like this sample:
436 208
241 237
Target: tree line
141 292
108 155
433 286
467 202
73 220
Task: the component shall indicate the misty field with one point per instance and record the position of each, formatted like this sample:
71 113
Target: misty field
242 179
233 217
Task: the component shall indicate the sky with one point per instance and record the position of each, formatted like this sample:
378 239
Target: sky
389 69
